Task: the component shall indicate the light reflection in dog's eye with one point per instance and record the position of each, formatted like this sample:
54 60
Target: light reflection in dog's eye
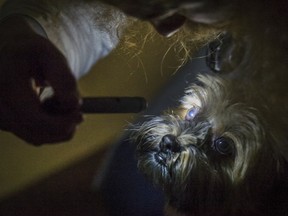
191 113
223 145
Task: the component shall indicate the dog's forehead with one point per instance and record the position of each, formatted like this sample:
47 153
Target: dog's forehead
190 100
208 91
218 102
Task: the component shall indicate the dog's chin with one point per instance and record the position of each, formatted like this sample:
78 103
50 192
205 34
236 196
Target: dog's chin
184 177
167 160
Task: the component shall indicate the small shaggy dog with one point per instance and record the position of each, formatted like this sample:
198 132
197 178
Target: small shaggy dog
224 151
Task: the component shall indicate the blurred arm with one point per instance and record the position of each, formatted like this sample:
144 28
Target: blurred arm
83 32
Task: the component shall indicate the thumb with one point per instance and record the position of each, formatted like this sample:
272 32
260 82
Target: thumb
57 74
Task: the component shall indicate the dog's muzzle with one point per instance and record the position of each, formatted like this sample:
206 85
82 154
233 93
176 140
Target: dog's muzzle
169 147
192 137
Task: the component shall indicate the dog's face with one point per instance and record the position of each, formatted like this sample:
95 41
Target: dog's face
211 156
201 154
223 151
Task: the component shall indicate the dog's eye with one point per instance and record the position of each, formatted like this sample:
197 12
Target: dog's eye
191 113
224 146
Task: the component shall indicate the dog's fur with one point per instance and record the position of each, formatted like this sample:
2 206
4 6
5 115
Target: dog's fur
224 151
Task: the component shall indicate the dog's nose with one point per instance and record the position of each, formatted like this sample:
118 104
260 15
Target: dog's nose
169 144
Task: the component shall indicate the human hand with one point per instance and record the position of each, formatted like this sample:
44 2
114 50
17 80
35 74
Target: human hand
27 58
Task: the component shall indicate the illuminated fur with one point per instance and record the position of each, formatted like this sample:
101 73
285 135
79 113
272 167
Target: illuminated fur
196 178
224 151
